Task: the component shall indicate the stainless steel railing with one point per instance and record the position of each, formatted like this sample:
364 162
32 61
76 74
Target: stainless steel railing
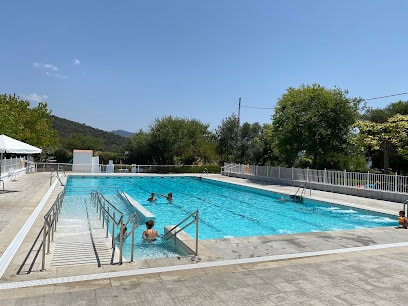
109 213
50 226
175 230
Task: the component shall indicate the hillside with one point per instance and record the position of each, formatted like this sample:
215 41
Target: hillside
109 141
122 133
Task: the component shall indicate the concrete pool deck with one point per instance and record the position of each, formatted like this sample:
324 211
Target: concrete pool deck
359 267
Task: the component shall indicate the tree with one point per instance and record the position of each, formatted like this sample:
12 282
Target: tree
226 137
314 120
250 145
80 142
179 141
140 151
379 115
31 125
376 122
390 137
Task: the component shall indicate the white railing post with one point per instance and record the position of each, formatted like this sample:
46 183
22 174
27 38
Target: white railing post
345 178
395 182
307 174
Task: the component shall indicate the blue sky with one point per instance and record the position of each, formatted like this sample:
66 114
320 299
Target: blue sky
123 64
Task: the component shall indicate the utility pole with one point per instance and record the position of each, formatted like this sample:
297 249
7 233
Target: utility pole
239 109
237 132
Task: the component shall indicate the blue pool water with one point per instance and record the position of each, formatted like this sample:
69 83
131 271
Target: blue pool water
225 210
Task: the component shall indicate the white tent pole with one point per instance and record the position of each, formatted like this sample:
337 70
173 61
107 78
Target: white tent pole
1 162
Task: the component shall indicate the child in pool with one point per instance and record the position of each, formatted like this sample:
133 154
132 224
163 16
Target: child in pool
149 233
402 220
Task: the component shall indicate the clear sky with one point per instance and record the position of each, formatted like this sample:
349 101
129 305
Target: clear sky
122 64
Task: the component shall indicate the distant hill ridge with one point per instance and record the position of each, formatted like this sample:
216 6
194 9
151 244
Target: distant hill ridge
122 133
110 141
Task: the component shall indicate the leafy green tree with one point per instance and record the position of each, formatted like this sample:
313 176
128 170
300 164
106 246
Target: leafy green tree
390 137
314 121
271 155
31 125
250 144
179 141
226 137
80 142
140 151
379 115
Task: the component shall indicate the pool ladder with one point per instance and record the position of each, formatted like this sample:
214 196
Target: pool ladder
176 229
204 173
298 198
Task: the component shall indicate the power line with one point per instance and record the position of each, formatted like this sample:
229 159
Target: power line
257 107
399 94
375 98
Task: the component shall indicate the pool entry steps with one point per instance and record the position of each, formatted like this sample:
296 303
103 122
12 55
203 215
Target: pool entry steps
85 240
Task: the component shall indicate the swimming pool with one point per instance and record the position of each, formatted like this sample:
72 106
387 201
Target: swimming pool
228 210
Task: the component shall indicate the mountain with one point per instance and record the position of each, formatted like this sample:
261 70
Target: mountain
122 133
109 141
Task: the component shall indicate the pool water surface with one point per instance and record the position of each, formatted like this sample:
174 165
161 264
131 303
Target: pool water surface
225 210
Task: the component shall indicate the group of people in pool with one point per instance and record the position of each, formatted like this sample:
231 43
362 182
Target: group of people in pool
150 234
169 197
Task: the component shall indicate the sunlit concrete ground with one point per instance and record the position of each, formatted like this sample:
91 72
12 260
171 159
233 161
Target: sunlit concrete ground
360 267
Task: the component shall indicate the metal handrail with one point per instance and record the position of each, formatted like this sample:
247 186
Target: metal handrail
204 173
296 197
57 175
104 207
176 230
50 226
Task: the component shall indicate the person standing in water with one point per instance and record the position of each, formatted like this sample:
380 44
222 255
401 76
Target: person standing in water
149 233
169 196
152 198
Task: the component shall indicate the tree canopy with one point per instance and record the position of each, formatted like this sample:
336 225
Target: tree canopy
315 121
25 123
179 141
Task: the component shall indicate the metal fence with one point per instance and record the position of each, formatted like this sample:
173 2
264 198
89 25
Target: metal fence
367 180
110 168
11 166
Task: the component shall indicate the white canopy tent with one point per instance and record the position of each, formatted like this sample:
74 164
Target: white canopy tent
11 145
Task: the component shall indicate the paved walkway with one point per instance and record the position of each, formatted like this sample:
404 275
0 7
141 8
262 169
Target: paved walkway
362 267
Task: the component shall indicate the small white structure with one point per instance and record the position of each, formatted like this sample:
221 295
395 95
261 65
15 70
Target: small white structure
82 161
110 167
